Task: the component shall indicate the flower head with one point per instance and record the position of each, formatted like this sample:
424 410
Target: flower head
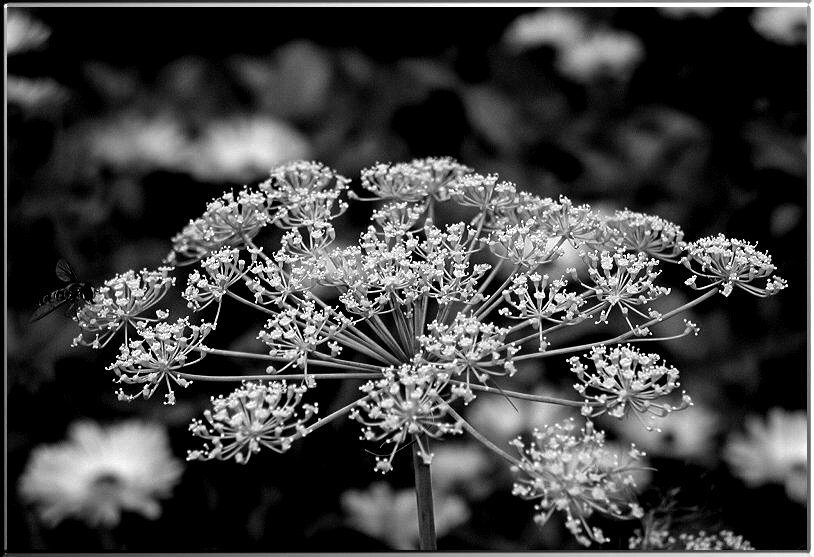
573 474
525 245
731 263
218 272
120 302
484 193
98 472
623 280
624 381
648 234
229 221
470 348
296 333
252 417
536 299
158 355
410 400
414 181
305 194
662 539
576 223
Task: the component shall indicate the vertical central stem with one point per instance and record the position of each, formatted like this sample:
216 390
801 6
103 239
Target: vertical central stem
423 496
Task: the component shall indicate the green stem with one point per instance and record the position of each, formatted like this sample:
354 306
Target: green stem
423 496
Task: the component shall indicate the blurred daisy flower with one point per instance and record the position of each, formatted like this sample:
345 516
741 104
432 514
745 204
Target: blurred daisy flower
583 53
134 142
499 419
547 27
389 515
683 12
603 53
781 24
772 451
24 33
33 94
683 435
101 471
461 466
241 148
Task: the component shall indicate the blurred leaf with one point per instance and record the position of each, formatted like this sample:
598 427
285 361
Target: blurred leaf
115 85
493 115
293 83
128 197
785 218
775 148
432 74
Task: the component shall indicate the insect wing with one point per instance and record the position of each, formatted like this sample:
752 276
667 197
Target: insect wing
47 305
65 272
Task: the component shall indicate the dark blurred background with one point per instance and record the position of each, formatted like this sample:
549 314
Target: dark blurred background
123 122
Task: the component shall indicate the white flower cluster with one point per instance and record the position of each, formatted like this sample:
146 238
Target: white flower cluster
702 541
731 263
411 400
254 416
626 381
574 474
119 303
429 316
229 221
162 350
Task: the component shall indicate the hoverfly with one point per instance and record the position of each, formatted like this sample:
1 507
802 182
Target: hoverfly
75 294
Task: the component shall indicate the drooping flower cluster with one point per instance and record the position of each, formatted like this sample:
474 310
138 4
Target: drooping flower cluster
572 473
429 316
254 416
